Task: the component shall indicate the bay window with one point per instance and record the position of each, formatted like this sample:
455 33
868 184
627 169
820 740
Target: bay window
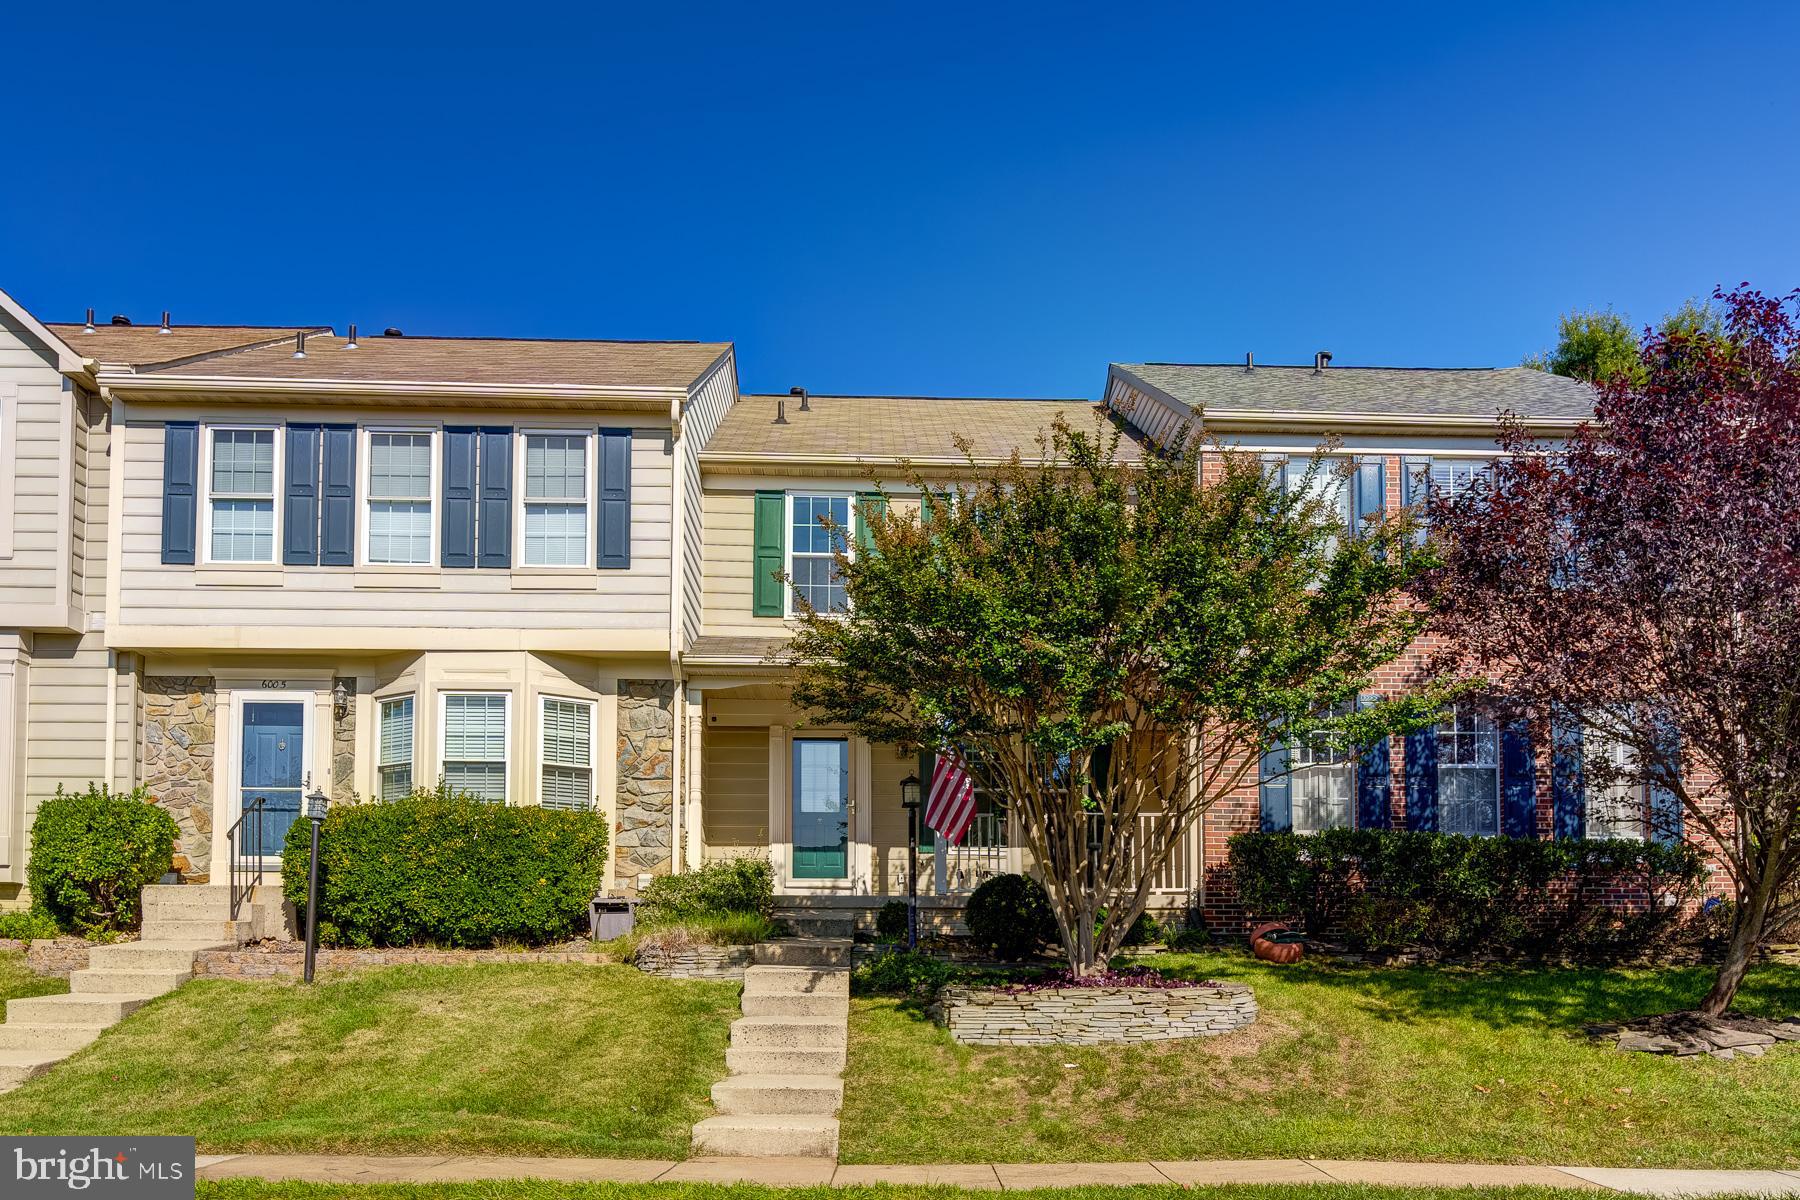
394 766
566 754
475 743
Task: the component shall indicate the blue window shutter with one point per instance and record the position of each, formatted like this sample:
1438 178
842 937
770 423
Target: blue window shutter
1566 790
458 533
337 503
1665 805
1415 486
769 542
1374 780
1518 781
1370 491
181 473
495 525
1422 780
300 509
1277 796
612 539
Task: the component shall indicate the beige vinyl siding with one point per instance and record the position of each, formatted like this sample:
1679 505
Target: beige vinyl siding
727 566
91 475
152 594
887 767
712 399
36 442
735 791
65 740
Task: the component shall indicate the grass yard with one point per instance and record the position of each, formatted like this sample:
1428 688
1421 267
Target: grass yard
527 1059
1419 1064
243 1189
18 981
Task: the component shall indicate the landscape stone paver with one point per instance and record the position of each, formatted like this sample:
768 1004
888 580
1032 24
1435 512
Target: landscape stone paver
1437 1174
963 1175
1045 1175
1250 1170
1690 1183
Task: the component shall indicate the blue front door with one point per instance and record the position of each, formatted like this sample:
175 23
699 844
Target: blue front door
272 771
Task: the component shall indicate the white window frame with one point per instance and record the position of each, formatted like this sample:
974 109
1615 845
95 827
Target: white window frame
787 535
1348 764
1478 468
591 442
506 733
412 764
365 495
1634 793
593 765
1499 783
277 479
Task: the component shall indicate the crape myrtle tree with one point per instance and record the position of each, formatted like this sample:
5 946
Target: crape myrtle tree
1643 578
1111 642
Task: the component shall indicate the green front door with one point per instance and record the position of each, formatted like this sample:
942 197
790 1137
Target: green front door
821 808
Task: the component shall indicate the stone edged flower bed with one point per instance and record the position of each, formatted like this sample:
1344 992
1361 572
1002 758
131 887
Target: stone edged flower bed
1693 1034
1114 1009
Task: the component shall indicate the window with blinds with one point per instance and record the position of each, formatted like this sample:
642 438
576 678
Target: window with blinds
566 775
241 496
556 500
474 744
394 767
399 498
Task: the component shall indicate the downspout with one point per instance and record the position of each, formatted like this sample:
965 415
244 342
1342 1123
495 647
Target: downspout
112 717
677 586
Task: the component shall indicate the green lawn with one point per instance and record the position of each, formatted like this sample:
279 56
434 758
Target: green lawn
527 1059
243 1189
1421 1064
18 981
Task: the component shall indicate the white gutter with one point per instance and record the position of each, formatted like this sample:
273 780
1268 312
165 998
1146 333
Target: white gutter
147 387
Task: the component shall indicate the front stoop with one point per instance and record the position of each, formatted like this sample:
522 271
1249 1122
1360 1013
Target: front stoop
786 1057
179 922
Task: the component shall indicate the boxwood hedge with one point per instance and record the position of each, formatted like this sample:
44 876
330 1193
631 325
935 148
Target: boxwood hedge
92 854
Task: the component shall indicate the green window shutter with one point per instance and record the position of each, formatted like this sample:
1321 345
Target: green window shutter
869 505
770 543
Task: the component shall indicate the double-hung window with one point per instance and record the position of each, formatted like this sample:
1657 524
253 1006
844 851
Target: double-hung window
566 753
811 547
1468 773
1323 781
475 743
394 770
399 498
1453 476
240 496
556 500
1617 800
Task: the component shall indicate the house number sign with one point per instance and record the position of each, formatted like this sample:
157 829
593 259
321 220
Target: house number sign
275 685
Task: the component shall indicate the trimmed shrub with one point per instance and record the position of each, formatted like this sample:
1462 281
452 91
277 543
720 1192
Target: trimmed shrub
716 889
1388 889
449 870
890 922
1188 940
28 925
1010 915
93 854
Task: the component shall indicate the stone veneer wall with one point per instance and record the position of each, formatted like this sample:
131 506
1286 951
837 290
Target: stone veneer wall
180 724
694 962
644 828
1087 1016
57 957
343 756
287 960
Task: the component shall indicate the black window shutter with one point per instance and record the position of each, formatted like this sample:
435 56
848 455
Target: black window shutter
180 510
1518 781
1566 786
495 535
1374 779
1422 781
458 526
300 509
612 522
337 504
1370 494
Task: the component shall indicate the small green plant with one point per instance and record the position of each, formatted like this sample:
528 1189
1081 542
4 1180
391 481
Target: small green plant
1010 915
732 885
28 924
92 855
725 929
890 922
1189 940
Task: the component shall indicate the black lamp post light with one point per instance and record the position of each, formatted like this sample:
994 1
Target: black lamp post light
909 800
316 804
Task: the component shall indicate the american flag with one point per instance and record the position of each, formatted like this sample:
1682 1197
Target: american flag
950 807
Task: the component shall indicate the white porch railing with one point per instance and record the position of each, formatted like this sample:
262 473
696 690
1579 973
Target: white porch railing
991 848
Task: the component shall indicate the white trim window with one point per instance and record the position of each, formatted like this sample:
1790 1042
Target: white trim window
566 753
1618 802
810 547
1454 476
1327 484
1323 781
241 479
556 524
394 754
1468 773
475 738
400 483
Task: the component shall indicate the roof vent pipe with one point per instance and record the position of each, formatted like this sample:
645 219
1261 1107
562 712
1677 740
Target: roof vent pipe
781 410
801 392
90 322
1249 361
165 324
351 344
1321 360
300 344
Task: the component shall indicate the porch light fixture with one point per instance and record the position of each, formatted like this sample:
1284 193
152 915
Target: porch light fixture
316 804
340 701
909 800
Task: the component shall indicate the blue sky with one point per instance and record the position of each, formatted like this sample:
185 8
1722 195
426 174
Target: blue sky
872 197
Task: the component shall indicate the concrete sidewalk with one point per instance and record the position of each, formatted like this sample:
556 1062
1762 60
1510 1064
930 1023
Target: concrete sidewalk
815 1172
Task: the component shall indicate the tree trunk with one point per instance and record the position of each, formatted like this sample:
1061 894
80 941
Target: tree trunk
1746 935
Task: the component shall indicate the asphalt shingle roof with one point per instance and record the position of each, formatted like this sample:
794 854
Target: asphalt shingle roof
1408 391
145 345
894 427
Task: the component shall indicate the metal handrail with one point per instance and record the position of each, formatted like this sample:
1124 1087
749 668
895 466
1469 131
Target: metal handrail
246 861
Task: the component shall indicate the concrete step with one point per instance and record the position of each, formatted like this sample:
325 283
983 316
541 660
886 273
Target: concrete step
803 952
150 956
795 1004
767 1137
72 1009
817 924
16 1066
32 1035
761 1060
188 900
797 1033
814 981
790 1095
127 983
158 928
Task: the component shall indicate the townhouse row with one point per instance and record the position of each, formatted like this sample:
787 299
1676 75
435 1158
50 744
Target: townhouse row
240 563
